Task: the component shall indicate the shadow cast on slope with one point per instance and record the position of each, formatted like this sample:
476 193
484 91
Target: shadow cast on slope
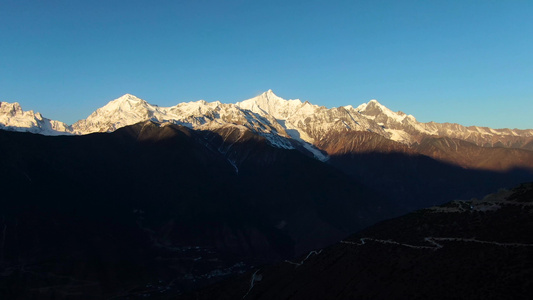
417 181
110 214
115 213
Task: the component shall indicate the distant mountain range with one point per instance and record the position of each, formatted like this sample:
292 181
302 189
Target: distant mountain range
293 124
139 200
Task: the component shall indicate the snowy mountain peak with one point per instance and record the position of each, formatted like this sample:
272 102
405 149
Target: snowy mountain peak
126 102
379 112
125 110
12 117
372 104
271 104
10 108
270 97
128 98
267 114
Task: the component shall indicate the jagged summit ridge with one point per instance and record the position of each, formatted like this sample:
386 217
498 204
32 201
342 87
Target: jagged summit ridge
270 103
123 111
373 109
269 115
306 121
12 117
201 115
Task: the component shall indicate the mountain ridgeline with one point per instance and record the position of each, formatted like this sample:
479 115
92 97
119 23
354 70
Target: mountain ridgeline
139 200
270 116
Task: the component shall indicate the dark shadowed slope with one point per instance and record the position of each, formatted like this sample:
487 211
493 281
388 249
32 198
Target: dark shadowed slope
161 208
430 173
479 249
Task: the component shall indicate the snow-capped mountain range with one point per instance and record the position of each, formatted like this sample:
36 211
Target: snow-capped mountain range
12 117
284 123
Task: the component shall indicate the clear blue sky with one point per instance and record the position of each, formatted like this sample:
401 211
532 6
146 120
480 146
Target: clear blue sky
468 62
